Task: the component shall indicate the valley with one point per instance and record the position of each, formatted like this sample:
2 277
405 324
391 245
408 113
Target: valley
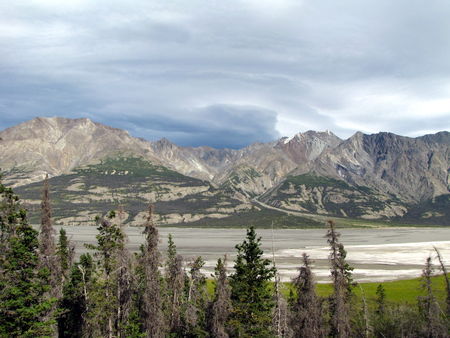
376 254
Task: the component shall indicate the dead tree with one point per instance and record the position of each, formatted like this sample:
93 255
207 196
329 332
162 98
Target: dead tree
196 302
281 310
221 307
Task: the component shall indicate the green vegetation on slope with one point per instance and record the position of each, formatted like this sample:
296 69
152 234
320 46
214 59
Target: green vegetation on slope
129 182
324 195
311 181
430 212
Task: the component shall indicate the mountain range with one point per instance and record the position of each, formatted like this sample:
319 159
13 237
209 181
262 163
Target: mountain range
295 180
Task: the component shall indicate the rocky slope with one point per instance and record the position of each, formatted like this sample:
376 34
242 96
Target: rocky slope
327 196
367 176
412 169
55 146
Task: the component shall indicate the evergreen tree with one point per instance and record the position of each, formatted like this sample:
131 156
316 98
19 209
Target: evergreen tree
175 282
10 212
108 309
380 301
307 314
23 281
447 283
341 274
47 250
46 240
65 252
251 294
383 323
429 307
74 302
220 308
151 281
125 288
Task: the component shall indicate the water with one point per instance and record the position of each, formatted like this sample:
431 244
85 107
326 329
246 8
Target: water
376 254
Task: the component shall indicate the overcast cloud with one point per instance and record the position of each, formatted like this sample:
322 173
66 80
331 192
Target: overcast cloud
229 73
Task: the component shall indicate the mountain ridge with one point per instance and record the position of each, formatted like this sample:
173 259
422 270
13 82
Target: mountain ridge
385 174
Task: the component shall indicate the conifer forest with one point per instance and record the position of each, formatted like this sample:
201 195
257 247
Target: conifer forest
111 292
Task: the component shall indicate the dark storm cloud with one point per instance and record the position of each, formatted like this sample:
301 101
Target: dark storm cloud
215 126
230 73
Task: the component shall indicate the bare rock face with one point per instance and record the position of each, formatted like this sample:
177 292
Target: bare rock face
413 169
306 147
201 162
261 166
57 145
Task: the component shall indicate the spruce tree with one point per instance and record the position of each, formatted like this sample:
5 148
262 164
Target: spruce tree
151 280
175 282
108 309
428 305
447 283
382 322
341 274
307 314
73 305
251 294
10 212
23 281
47 250
64 252
125 288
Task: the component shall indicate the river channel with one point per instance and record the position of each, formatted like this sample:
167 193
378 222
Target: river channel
376 254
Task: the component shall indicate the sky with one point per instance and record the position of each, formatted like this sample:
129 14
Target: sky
228 73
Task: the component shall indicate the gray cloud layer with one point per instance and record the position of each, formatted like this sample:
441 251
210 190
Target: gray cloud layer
229 73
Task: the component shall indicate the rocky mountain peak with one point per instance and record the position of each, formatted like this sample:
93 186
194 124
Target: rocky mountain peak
442 137
308 146
414 169
55 145
163 143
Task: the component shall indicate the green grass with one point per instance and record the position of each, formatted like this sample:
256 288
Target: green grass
399 291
